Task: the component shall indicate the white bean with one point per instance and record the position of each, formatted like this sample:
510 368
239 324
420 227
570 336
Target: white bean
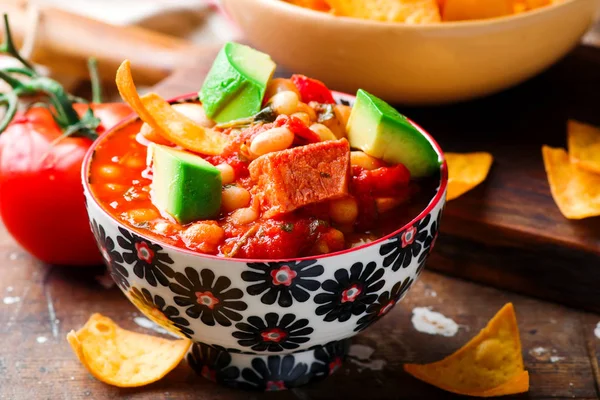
274 139
364 160
141 215
227 173
110 171
344 210
203 236
302 116
284 102
323 132
234 197
278 85
303 107
243 216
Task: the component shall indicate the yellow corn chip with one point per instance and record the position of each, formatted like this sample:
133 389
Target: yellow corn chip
168 123
584 146
531 4
490 364
181 130
409 11
123 358
465 171
129 94
460 10
517 384
520 7
575 191
318 5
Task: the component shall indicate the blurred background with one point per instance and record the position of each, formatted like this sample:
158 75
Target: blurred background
158 36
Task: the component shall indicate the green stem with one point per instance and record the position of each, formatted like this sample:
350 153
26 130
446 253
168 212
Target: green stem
77 99
62 102
13 102
58 96
95 80
13 82
21 71
9 46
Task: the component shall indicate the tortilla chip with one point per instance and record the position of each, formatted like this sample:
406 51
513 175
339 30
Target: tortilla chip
318 5
576 192
166 121
409 11
129 93
520 6
584 146
181 130
465 171
517 384
531 4
490 364
461 10
123 358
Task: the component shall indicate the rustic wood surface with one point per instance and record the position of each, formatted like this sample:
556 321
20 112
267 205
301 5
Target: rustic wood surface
54 300
559 346
508 232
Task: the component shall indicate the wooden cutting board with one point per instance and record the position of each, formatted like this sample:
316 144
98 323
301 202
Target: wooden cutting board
508 232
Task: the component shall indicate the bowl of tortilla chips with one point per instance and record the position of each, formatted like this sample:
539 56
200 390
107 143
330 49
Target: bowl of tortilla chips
417 58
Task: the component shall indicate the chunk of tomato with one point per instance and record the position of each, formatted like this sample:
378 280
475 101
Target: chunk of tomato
381 182
312 90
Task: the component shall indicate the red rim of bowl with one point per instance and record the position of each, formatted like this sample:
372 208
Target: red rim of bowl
129 119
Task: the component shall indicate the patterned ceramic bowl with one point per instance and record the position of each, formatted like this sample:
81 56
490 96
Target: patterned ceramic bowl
266 324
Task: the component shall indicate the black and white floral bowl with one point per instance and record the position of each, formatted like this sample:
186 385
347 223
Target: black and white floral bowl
266 324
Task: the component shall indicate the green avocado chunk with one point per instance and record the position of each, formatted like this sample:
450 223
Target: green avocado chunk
379 130
184 185
236 83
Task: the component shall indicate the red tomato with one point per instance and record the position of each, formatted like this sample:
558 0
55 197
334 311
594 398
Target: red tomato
381 182
41 199
312 90
302 131
283 238
303 134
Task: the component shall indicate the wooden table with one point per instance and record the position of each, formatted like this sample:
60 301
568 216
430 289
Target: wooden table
559 346
54 300
508 232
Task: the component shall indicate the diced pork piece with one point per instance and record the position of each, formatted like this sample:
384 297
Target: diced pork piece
289 179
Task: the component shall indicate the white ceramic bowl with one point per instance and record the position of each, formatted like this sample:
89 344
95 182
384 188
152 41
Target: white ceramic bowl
265 324
413 64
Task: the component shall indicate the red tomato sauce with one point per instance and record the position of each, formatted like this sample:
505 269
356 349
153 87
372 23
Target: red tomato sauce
120 182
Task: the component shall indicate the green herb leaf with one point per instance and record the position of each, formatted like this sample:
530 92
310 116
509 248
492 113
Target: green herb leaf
267 114
325 112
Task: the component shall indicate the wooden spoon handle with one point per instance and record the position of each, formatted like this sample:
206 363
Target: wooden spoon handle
64 41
